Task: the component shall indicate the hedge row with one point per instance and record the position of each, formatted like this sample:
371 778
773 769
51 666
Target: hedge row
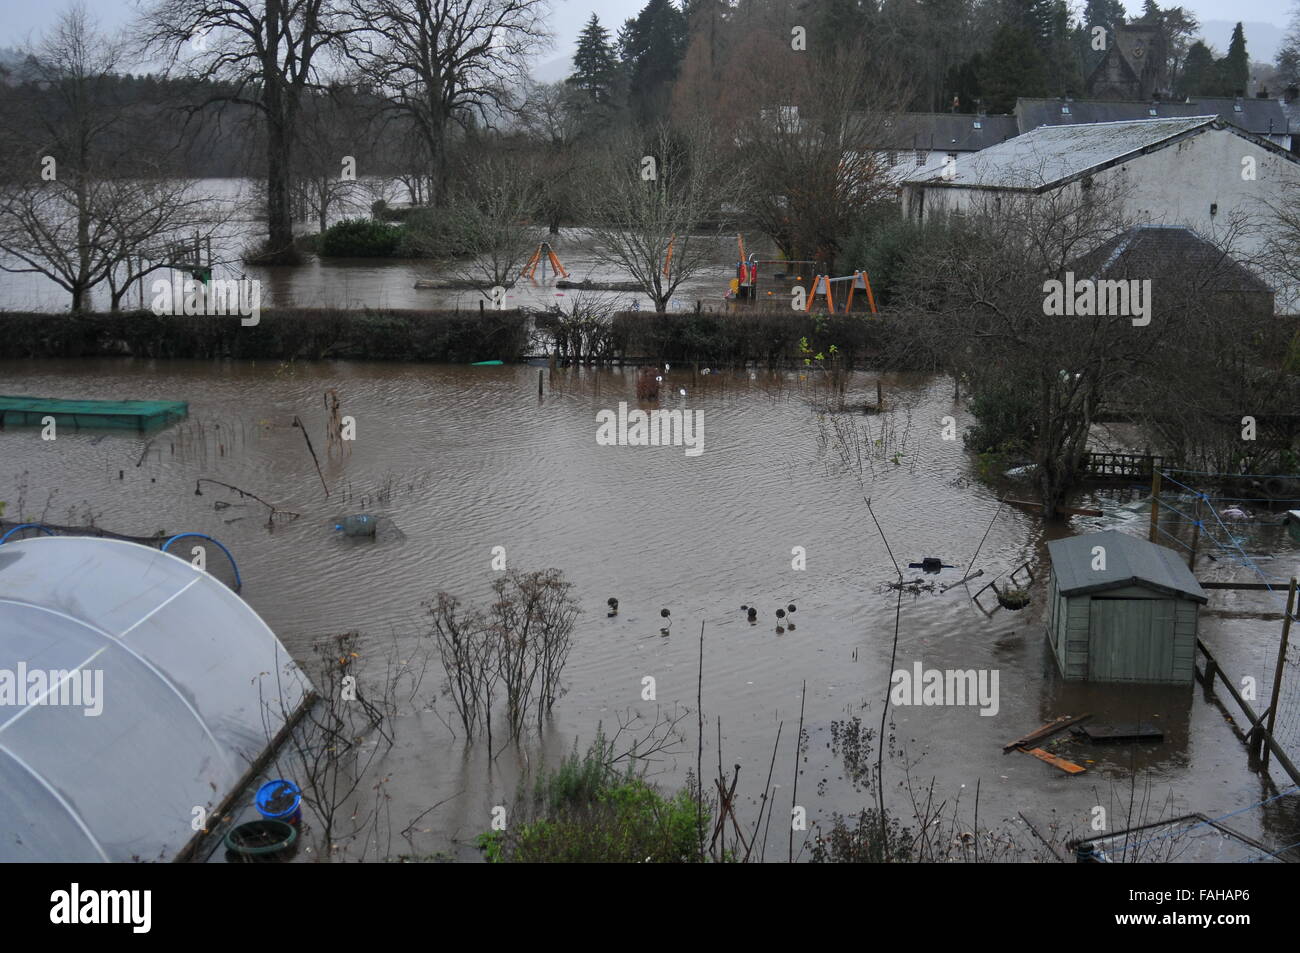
281 334
771 338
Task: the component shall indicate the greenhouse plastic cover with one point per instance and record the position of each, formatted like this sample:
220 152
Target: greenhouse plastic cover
192 685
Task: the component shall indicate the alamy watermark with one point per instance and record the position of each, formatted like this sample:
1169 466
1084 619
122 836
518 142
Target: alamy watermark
132 907
922 686
80 688
656 428
1127 298
217 297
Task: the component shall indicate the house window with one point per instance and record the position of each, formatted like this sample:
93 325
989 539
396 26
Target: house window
978 125
1151 111
920 157
893 159
1065 110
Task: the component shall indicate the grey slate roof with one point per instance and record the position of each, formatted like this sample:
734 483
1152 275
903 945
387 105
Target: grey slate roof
1129 561
1050 155
1146 250
1261 116
947 132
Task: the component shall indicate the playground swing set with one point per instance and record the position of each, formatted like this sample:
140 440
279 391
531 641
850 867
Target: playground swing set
544 254
745 285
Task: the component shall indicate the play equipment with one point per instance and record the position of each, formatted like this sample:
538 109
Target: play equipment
860 280
822 283
745 285
530 269
857 280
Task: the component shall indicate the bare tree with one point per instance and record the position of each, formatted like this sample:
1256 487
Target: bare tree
442 63
650 202
520 644
812 135
496 208
325 167
549 117
272 51
81 205
1036 378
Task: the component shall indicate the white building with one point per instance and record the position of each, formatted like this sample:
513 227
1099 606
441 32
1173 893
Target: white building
1198 172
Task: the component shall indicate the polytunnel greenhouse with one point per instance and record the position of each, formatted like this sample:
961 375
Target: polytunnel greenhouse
134 691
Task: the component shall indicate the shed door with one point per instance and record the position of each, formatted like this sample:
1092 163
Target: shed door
1131 640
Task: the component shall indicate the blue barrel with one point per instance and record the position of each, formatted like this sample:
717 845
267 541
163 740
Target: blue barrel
280 800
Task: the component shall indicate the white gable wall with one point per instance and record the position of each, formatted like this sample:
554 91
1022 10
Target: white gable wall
1175 185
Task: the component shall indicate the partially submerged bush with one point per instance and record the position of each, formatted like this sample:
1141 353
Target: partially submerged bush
587 811
360 238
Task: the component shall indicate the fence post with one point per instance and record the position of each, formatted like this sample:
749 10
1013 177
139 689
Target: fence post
1155 503
1281 664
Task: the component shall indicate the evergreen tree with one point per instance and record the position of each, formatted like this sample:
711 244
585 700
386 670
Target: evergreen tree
1200 75
1063 65
1014 67
1288 57
1236 65
651 47
595 74
965 84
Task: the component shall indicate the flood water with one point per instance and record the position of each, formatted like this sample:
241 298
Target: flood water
459 460
377 282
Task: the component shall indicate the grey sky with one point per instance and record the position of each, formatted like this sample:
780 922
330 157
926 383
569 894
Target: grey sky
20 19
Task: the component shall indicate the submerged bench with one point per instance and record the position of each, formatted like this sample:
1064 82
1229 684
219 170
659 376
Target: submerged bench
107 414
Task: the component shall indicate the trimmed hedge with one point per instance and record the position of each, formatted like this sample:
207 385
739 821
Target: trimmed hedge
281 334
770 338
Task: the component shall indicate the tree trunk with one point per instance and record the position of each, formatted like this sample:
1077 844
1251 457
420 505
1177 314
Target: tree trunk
279 215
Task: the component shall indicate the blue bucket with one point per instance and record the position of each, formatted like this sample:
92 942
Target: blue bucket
276 791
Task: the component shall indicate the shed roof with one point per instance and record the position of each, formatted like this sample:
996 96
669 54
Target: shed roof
1049 155
1130 561
1261 116
1145 250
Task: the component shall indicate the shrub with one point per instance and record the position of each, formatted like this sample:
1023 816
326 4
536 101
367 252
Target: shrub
360 238
586 811
629 822
1005 415
439 233
883 246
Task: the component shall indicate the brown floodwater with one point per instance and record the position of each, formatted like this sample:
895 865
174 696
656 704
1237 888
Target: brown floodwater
458 460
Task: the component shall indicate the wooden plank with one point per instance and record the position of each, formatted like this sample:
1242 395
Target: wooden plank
1069 767
1046 731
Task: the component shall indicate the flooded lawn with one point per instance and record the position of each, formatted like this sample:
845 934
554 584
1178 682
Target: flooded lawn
458 460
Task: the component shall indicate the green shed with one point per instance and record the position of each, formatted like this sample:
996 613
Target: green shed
1121 609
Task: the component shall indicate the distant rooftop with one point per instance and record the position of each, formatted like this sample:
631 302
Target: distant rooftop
1050 155
946 132
1261 116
